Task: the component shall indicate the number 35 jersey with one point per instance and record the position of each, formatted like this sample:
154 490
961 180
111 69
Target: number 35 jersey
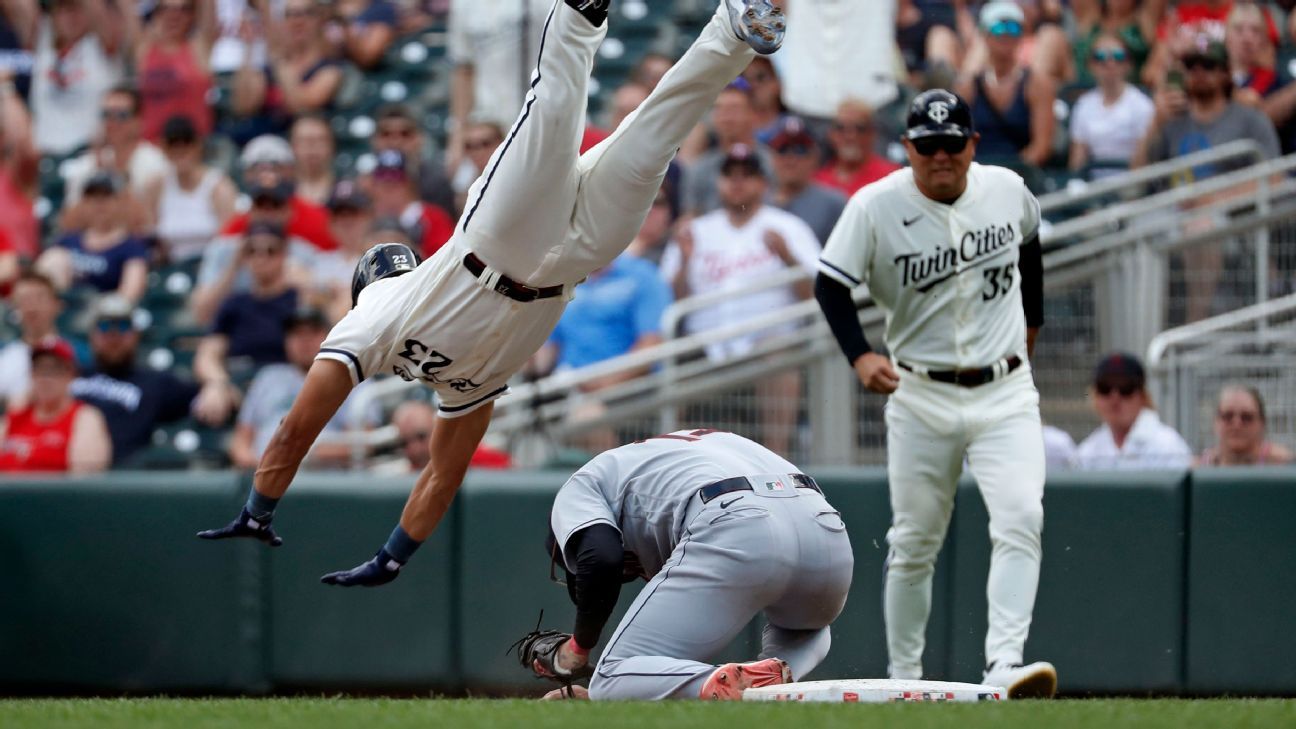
945 274
437 325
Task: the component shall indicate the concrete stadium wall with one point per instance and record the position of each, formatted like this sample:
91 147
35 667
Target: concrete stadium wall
1174 583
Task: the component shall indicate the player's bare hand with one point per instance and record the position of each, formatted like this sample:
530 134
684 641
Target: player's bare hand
1170 102
775 243
579 693
876 373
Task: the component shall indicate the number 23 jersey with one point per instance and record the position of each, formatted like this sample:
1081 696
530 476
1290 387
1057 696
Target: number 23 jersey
945 274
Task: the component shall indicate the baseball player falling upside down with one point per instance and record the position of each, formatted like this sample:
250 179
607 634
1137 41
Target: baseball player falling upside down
537 222
723 529
949 249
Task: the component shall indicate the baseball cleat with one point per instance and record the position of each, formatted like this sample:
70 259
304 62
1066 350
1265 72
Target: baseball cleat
758 23
1035 681
729 681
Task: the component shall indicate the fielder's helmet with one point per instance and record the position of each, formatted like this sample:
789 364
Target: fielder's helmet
938 113
382 261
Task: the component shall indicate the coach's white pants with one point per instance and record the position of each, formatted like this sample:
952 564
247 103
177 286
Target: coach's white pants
543 214
930 427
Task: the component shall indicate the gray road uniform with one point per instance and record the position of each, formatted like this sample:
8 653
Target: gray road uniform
724 529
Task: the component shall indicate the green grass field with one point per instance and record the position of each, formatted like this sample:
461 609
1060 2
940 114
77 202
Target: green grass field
467 714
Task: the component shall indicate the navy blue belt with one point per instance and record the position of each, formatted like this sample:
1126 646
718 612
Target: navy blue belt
740 483
975 377
509 287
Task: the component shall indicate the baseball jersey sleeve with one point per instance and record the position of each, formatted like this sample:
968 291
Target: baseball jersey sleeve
579 504
1030 214
353 341
849 249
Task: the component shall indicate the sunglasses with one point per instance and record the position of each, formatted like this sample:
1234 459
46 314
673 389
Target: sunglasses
862 128
269 249
268 203
928 146
1010 28
400 131
1199 62
113 326
1245 417
800 150
1116 55
117 114
1125 390
475 144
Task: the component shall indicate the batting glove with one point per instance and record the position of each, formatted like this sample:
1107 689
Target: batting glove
379 570
245 526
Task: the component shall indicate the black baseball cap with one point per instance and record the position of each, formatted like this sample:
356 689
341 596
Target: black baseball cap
264 227
1120 367
742 156
277 193
179 129
305 316
347 195
102 182
938 113
792 133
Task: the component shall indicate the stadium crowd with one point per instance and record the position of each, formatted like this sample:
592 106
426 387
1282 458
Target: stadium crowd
186 186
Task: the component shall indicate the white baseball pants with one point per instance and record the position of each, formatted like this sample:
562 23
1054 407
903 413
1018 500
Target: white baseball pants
543 214
930 427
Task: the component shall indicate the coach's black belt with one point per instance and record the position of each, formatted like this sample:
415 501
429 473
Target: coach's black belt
509 287
974 377
740 483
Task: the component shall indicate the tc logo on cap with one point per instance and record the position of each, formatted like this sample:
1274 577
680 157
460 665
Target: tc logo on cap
938 111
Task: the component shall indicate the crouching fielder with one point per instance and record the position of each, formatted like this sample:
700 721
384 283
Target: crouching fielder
722 529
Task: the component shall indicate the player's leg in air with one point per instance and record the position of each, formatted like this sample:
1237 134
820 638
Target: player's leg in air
620 177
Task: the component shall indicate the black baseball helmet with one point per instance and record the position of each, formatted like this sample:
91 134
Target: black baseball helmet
382 261
938 113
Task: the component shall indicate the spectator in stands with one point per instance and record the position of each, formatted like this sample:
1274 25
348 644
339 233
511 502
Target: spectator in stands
276 386
928 41
1059 449
17 38
1012 106
836 51
649 70
313 149
368 28
796 160
256 107
172 62
350 219
1109 122
394 195
54 432
119 148
619 311
414 420
493 47
268 163
1198 116
767 101
1240 426
249 326
734 122
105 255
398 128
9 264
1185 26
1134 22
480 142
134 400
650 242
18 172
627 97
855 162
734 247
1253 54
1131 437
37 304
238 37
192 201
305 74
79 56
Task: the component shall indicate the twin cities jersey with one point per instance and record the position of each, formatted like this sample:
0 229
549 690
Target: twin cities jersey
946 275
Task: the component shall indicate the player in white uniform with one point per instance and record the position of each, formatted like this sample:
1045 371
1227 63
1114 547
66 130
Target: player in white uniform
949 249
538 221
723 529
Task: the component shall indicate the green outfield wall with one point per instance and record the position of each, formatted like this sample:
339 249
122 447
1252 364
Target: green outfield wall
1168 583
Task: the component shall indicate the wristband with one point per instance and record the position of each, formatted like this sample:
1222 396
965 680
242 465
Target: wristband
575 647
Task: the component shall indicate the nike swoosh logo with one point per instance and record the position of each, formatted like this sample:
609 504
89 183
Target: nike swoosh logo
910 222
725 504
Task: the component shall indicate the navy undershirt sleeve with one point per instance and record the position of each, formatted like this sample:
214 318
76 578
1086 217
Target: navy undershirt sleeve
594 557
839 309
1031 265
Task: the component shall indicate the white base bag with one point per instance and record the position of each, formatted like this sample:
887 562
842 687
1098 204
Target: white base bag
876 691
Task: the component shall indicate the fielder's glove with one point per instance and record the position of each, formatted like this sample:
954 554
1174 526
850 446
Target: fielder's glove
245 526
379 570
537 651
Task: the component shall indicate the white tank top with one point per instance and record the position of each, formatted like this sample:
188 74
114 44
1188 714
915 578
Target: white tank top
187 219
